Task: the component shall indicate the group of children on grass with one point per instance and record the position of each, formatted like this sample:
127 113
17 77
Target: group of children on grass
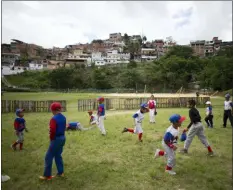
58 127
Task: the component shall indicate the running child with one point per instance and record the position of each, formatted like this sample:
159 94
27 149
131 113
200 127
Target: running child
209 115
169 143
138 118
19 126
228 110
195 128
57 142
101 115
152 108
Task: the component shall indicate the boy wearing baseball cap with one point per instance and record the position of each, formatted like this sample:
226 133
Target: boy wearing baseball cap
78 126
169 143
195 128
101 115
19 126
209 115
228 110
57 142
138 118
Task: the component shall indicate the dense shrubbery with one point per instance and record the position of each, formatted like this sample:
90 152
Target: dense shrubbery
176 69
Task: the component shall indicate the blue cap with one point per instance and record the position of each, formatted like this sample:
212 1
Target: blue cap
176 118
227 95
18 111
144 105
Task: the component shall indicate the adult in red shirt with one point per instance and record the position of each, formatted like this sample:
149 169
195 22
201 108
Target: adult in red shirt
152 108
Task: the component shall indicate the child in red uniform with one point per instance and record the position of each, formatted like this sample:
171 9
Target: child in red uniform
20 126
57 142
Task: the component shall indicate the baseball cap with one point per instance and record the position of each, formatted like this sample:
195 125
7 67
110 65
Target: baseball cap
227 95
208 102
100 99
55 106
144 105
18 111
176 118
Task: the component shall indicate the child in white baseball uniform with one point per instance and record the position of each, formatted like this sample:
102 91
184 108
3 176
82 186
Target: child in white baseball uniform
169 143
228 110
101 115
209 115
138 117
78 126
152 108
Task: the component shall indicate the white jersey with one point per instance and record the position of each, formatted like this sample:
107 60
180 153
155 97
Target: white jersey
209 111
93 119
138 116
174 133
228 105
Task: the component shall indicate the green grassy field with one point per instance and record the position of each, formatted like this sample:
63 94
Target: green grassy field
117 161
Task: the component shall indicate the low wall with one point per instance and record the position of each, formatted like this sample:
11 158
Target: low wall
134 103
30 105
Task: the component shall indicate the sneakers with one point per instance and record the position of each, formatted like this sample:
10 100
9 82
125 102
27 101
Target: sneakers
5 178
60 175
170 172
156 153
46 178
124 130
13 147
210 154
183 151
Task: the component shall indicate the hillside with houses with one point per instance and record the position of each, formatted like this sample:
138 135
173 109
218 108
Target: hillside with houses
19 56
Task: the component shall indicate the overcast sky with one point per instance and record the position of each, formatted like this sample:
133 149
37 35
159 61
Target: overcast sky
61 23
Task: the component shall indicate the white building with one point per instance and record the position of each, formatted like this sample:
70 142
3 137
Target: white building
112 57
6 70
95 56
35 66
148 54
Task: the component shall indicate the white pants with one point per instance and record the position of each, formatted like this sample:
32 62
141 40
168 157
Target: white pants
100 124
170 155
196 129
138 128
152 115
20 137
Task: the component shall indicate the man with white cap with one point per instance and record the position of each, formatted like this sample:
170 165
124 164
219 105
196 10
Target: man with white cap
209 115
228 105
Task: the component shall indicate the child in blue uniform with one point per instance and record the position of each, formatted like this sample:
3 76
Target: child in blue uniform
57 142
19 126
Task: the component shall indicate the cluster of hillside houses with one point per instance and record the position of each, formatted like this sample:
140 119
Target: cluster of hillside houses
99 53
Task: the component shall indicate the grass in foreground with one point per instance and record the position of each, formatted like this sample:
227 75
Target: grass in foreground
117 161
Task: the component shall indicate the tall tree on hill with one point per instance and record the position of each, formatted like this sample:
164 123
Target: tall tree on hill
144 39
126 39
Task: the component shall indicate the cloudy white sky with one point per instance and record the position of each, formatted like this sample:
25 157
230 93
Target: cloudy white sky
61 23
